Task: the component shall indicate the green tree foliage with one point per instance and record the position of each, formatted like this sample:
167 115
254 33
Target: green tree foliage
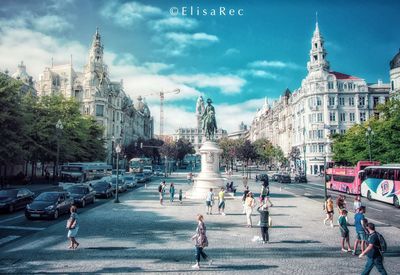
266 152
353 146
183 147
11 121
246 151
229 150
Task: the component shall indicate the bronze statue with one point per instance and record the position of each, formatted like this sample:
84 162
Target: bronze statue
209 123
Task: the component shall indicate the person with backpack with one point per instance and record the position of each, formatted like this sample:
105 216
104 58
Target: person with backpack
374 251
360 232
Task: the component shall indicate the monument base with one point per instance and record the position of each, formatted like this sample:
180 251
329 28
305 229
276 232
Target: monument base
210 176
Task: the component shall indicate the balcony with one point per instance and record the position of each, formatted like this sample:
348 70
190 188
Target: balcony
332 106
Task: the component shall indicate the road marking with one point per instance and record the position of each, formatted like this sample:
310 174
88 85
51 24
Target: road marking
370 207
22 227
8 239
10 219
369 219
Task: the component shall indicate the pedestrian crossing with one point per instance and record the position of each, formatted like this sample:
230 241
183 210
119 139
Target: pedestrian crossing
8 239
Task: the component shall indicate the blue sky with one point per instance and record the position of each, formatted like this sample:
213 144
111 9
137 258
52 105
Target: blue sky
235 60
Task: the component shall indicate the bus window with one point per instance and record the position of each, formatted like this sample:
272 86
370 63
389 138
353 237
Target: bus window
397 174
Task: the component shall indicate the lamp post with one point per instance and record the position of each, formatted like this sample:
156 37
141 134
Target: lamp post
325 190
165 166
304 153
117 150
59 128
369 133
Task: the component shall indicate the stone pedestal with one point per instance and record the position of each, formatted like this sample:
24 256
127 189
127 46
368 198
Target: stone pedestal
209 177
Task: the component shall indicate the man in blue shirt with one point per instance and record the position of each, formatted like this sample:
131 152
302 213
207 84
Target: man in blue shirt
374 255
360 231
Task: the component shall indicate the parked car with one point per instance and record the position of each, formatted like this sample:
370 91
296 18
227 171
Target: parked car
103 189
130 180
121 184
158 172
82 194
300 178
49 205
284 178
141 178
13 199
275 177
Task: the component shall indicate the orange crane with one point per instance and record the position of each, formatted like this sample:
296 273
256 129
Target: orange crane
161 95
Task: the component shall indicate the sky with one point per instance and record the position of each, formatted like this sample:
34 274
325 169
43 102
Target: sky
237 60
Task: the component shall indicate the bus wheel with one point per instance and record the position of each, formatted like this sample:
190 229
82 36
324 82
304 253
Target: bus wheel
396 202
369 195
348 190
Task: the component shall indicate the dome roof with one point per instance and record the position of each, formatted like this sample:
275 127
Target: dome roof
141 106
395 63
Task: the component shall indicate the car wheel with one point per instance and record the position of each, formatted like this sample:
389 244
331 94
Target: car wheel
93 200
83 203
330 187
396 202
11 208
28 217
55 216
369 197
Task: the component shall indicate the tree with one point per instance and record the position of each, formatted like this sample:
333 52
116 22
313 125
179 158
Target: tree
246 152
183 148
265 150
229 150
169 150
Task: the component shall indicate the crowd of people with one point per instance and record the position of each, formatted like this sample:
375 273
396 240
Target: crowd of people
371 243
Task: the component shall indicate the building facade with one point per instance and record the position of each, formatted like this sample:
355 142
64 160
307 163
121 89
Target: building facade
241 133
395 75
123 120
327 103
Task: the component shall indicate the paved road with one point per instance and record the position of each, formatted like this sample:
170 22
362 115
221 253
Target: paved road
15 226
140 236
377 212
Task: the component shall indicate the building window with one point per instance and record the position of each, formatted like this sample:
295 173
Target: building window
341 101
361 100
392 85
342 116
362 116
321 148
352 117
340 86
87 94
376 101
319 117
330 85
342 131
331 101
320 134
351 86
332 116
319 101
315 57
351 101
333 131
99 110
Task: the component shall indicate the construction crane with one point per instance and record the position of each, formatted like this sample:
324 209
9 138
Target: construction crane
161 95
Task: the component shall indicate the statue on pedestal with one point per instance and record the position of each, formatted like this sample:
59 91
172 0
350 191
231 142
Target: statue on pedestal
209 123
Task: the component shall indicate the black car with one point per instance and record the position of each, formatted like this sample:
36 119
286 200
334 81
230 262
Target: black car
284 179
13 199
103 189
49 205
82 195
275 177
300 178
141 178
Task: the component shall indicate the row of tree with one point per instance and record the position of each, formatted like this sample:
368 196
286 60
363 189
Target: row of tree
261 151
28 128
382 141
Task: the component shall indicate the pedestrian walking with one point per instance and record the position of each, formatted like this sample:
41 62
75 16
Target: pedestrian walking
245 181
171 192
344 230
341 203
245 192
180 196
264 222
210 201
73 227
374 252
221 201
360 232
263 193
329 210
357 203
250 202
189 178
201 241
160 192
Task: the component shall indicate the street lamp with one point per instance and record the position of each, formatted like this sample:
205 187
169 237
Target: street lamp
165 166
325 190
369 133
59 128
117 150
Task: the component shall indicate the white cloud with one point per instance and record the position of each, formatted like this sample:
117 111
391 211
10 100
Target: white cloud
129 13
231 51
173 23
177 43
274 64
259 74
51 23
227 84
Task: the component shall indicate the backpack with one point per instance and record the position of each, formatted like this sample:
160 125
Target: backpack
382 243
159 188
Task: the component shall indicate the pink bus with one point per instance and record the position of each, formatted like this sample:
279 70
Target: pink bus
347 179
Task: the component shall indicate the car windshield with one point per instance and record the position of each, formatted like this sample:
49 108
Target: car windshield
8 193
77 190
129 178
114 181
100 185
47 197
73 178
139 175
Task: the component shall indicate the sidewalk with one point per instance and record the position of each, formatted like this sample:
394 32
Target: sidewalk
139 235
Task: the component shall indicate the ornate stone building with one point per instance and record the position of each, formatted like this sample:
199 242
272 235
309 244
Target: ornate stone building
100 97
327 102
395 75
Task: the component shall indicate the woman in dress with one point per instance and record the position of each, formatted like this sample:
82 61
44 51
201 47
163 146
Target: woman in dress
201 241
73 227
